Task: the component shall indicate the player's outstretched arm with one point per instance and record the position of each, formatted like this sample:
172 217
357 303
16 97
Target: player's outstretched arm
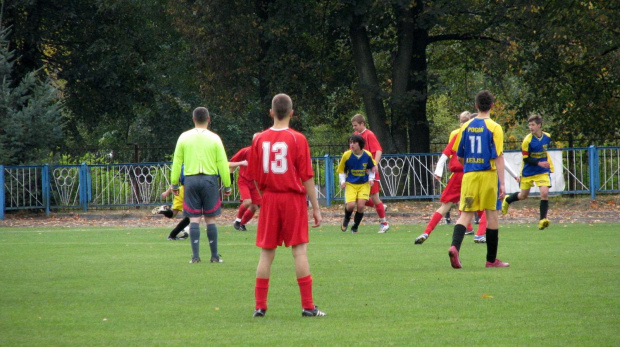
511 172
235 164
167 192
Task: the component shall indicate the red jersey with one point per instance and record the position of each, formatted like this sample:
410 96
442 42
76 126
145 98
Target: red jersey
279 161
372 144
241 156
454 165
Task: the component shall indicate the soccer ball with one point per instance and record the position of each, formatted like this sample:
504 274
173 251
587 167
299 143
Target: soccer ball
184 233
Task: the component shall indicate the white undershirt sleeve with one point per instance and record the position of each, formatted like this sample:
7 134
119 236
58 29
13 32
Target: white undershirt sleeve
440 164
510 170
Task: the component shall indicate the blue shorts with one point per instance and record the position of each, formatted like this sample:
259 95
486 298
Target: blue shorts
202 196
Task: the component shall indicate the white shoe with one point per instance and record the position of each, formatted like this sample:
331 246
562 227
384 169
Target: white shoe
385 207
160 209
420 239
384 228
480 239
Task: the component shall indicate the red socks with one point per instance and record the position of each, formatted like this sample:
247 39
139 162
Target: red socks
241 211
380 210
260 293
482 224
305 289
435 219
247 216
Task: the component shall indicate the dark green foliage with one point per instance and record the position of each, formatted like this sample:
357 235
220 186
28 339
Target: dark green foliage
31 114
132 71
569 52
249 51
125 71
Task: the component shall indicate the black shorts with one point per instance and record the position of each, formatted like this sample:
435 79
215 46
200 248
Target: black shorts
202 196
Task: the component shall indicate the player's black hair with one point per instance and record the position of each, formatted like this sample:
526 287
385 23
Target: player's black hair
201 115
484 100
358 139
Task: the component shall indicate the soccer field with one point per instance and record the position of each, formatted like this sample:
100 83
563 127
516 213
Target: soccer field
132 287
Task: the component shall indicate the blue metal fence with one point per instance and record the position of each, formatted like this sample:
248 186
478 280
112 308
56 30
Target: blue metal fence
587 170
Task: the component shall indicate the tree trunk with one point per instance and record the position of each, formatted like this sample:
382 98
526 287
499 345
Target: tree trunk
400 101
419 131
369 84
263 84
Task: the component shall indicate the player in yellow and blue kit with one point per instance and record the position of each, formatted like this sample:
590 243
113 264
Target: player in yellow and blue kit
356 177
537 169
480 147
177 206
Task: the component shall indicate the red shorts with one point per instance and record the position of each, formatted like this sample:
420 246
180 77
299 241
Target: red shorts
452 192
283 218
377 186
248 190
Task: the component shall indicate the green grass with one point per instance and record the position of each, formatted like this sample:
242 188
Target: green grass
131 287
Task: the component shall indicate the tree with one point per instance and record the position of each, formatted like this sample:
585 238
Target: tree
131 71
31 114
569 53
249 51
124 70
127 72
565 54
406 30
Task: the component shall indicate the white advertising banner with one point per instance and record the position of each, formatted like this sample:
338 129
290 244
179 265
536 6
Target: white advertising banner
515 160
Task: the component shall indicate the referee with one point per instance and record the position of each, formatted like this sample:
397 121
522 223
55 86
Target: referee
202 153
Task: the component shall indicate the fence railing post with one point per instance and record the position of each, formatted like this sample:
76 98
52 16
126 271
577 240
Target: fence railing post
84 186
46 187
594 174
329 180
2 203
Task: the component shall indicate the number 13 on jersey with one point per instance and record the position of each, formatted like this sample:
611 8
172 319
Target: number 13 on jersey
280 163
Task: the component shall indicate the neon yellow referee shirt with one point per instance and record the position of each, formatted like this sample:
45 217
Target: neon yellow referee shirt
202 152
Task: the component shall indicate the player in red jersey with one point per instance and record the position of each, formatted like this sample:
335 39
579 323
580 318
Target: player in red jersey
374 147
281 165
250 197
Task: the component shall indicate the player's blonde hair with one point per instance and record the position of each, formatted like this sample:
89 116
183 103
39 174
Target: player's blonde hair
358 118
464 116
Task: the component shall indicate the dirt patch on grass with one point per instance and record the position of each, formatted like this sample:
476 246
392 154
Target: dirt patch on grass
561 210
